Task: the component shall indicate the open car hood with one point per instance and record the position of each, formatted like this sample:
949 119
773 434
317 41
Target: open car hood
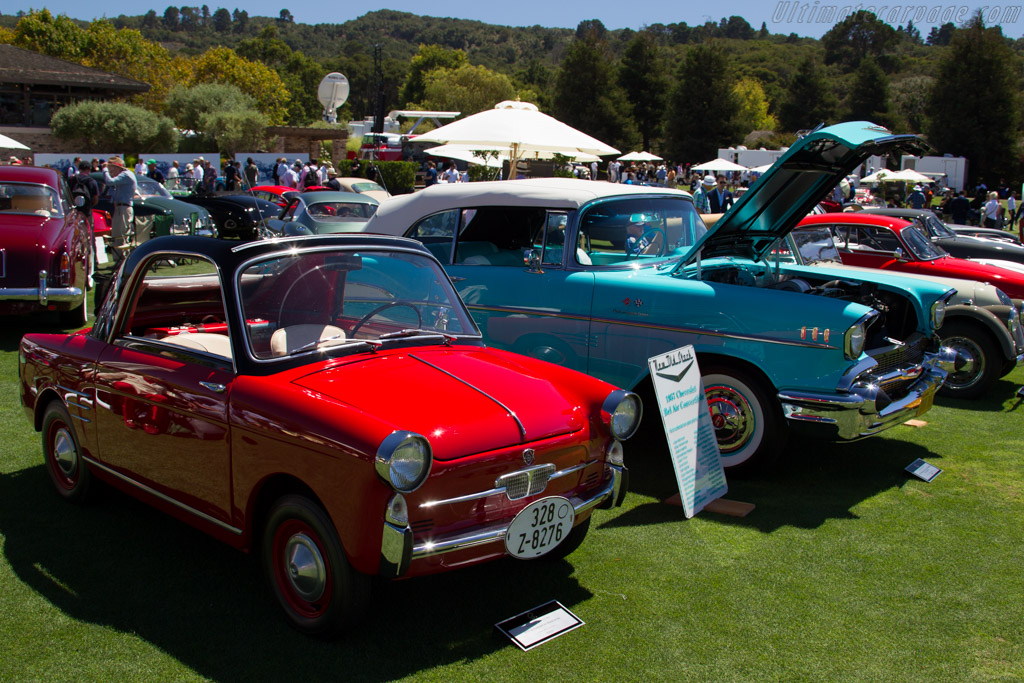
788 191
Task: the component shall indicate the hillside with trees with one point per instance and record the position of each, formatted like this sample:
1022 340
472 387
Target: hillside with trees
679 90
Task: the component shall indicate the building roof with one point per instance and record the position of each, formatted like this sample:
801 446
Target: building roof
28 67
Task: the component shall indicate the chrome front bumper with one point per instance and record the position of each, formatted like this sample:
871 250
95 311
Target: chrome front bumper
866 409
42 293
398 548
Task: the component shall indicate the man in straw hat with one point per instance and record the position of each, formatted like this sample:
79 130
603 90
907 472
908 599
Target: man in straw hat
124 186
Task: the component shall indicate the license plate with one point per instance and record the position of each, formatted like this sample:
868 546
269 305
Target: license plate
539 527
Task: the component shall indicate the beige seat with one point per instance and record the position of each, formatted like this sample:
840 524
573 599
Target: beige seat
289 339
216 344
30 204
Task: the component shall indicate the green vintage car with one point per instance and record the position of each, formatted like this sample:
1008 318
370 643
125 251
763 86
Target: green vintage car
157 213
601 277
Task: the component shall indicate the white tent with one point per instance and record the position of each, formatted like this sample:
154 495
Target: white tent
722 165
10 143
907 175
640 156
521 131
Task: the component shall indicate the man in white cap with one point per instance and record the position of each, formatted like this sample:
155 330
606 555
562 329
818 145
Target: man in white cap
701 200
124 186
916 198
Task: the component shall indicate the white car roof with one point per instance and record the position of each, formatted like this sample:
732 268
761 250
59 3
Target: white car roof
396 215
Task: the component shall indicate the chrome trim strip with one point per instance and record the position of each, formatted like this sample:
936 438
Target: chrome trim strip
496 532
501 489
522 429
80 407
176 503
47 293
82 419
69 390
648 326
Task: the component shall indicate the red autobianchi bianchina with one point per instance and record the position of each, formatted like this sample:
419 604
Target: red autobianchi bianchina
328 402
44 245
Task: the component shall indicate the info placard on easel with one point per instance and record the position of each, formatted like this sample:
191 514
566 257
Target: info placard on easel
691 436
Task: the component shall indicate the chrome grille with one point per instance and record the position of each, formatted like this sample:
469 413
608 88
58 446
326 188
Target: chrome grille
898 356
526 482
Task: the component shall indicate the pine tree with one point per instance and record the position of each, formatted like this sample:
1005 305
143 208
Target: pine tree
869 97
643 76
702 105
809 101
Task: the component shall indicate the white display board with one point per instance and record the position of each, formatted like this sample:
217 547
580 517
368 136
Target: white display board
265 161
62 160
688 429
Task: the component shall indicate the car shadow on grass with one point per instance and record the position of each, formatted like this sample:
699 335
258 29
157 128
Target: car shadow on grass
1001 398
814 482
120 564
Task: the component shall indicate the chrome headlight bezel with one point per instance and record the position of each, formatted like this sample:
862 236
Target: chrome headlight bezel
622 411
855 339
938 312
399 452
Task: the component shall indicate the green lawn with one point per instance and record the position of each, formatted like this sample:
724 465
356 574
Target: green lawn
846 570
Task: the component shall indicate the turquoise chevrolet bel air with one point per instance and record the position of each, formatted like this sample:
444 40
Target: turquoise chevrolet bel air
600 277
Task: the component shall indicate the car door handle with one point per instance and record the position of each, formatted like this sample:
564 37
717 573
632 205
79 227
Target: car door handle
214 387
456 278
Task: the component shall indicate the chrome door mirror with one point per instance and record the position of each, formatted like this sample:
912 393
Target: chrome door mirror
531 259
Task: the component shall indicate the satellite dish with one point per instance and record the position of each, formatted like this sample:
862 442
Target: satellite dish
332 93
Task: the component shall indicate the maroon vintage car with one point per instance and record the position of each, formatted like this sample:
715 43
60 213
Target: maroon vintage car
328 402
44 245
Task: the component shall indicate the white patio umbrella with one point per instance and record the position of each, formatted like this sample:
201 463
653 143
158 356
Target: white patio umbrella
10 143
464 153
761 169
640 156
909 175
722 165
521 130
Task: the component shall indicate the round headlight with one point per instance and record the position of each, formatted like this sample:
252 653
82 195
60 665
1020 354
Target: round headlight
938 313
403 460
855 339
623 412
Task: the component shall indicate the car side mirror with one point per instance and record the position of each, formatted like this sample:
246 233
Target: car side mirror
531 259
898 253
79 201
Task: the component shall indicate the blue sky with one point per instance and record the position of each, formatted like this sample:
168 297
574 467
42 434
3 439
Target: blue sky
803 17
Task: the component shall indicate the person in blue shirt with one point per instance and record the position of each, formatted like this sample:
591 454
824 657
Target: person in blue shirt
916 198
124 186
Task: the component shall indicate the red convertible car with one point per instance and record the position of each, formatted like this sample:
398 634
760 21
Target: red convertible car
328 403
875 241
44 245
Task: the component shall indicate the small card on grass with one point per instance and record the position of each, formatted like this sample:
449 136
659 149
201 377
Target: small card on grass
923 470
539 625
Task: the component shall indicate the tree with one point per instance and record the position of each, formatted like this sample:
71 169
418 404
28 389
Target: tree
588 97
300 74
188 105
910 101
809 99
235 131
150 20
975 104
113 125
643 76
54 36
222 20
469 89
223 65
428 58
941 35
704 103
172 19
286 17
591 29
735 27
869 97
241 18
189 19
860 35
752 107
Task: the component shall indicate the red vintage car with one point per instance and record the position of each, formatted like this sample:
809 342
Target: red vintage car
44 245
274 193
327 402
875 241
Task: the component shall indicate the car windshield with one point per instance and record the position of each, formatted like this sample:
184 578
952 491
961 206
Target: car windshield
618 232
918 242
340 211
330 298
815 245
934 227
151 188
367 187
41 200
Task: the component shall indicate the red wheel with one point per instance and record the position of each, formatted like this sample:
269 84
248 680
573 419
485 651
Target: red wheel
307 569
68 472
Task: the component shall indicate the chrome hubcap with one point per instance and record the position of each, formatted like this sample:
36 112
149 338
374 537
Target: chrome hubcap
64 452
305 567
731 416
969 365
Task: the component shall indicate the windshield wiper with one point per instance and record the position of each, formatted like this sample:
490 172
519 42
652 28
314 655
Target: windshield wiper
349 342
418 332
